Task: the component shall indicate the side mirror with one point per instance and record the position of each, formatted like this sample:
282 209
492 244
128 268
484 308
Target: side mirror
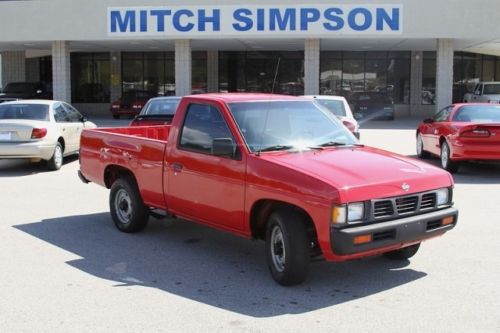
83 119
477 92
428 121
223 147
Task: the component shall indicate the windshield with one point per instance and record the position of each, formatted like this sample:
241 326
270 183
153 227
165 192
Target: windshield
161 107
283 125
24 111
491 89
478 114
19 88
334 106
135 95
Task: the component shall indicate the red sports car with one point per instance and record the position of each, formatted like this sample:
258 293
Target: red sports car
461 132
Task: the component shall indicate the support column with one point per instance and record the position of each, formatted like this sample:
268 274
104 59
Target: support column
417 65
311 66
213 71
183 67
116 75
61 71
13 67
444 73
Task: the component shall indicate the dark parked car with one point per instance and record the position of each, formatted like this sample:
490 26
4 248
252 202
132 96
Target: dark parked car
131 103
157 111
371 105
14 91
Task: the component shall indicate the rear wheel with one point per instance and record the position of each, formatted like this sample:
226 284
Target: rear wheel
446 162
56 161
287 249
404 253
127 208
421 153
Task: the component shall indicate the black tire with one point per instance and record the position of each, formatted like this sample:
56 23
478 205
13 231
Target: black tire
421 153
446 163
116 116
404 253
287 248
56 161
126 206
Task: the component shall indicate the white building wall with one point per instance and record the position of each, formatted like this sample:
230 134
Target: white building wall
61 71
311 66
444 75
183 67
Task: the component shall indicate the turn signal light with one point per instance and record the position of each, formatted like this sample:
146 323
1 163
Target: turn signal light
362 239
448 220
38 133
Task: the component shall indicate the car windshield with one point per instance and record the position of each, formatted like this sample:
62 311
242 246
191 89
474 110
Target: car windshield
19 88
478 114
288 125
334 106
135 95
161 107
24 111
491 89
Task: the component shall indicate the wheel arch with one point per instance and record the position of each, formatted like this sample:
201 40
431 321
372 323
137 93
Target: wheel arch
114 172
263 208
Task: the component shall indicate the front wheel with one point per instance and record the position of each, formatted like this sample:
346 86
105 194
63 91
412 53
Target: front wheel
404 253
421 153
127 208
446 162
287 249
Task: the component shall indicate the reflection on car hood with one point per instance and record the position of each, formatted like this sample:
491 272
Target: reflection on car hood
362 173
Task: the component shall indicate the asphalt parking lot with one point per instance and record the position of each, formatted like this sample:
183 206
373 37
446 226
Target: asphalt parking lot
64 266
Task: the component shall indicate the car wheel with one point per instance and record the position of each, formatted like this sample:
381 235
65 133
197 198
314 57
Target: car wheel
421 153
287 249
56 161
404 253
446 162
126 206
116 116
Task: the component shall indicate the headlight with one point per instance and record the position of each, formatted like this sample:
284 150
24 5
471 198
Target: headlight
442 197
353 212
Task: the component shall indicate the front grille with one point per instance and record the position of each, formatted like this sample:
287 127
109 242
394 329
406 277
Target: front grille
383 209
428 201
406 205
403 206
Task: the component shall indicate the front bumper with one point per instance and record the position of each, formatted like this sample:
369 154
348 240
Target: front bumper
387 234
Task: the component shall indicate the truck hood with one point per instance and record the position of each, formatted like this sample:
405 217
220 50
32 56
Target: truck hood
363 173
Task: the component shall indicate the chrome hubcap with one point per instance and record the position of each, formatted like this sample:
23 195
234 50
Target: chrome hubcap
123 206
419 145
444 156
278 249
58 156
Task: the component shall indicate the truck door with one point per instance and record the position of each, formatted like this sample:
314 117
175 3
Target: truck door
202 186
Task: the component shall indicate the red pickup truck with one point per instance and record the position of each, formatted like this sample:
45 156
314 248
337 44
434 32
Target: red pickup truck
271 167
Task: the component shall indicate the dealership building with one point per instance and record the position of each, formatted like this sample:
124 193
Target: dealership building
423 54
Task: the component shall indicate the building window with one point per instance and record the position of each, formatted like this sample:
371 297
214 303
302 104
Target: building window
278 72
90 77
429 78
344 73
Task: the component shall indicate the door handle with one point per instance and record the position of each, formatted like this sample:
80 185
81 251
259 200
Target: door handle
177 167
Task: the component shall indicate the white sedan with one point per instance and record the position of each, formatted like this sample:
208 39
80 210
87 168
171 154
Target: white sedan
40 130
338 106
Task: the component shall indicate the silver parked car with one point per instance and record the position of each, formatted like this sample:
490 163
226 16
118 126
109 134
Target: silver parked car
40 130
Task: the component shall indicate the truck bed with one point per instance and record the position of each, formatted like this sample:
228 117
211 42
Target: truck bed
139 150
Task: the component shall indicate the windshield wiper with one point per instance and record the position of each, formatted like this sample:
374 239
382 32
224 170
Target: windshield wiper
337 144
275 148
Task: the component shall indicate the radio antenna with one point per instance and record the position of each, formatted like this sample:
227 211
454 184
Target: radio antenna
276 74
